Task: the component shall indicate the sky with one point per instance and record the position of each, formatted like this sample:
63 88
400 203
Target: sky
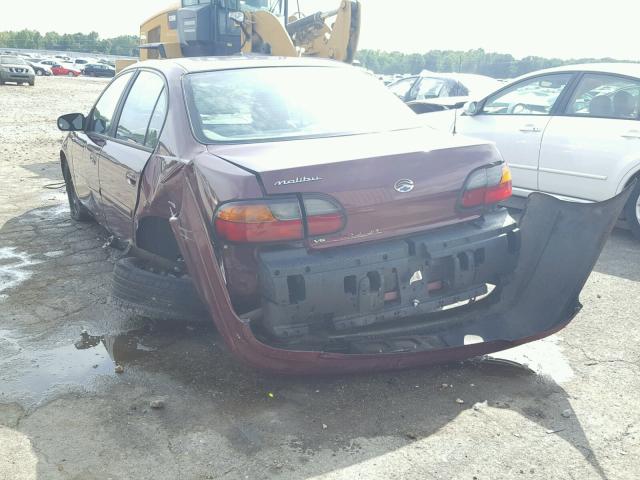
548 28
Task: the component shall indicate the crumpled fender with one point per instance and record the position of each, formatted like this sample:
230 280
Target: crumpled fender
560 243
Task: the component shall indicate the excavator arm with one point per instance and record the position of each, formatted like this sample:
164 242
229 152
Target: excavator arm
312 36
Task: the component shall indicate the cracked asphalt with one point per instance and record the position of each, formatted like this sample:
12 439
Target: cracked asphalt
572 413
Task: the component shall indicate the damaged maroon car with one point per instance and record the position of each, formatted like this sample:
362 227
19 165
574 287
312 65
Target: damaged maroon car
322 228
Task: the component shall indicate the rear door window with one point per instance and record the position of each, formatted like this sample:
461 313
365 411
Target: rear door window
139 107
101 116
157 120
609 96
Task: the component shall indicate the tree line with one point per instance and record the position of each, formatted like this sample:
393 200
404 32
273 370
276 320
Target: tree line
497 65
75 42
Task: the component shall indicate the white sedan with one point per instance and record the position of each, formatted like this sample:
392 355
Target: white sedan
571 131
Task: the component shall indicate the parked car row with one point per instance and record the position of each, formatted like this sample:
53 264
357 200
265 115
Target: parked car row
66 66
571 131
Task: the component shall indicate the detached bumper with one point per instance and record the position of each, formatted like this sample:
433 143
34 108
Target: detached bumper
559 245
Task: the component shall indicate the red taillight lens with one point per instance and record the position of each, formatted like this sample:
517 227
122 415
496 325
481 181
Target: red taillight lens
263 221
487 186
277 220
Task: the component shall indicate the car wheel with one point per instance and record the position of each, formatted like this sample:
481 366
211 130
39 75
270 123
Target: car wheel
32 83
632 211
153 294
39 73
70 74
78 211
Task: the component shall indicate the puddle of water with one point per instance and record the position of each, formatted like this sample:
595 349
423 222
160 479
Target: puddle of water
544 357
37 371
14 268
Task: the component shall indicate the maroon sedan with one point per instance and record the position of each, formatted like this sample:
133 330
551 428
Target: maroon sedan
302 206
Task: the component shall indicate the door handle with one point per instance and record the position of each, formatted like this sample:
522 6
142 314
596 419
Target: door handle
132 179
529 128
634 134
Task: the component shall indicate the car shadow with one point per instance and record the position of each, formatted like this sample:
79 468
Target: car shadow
49 170
55 283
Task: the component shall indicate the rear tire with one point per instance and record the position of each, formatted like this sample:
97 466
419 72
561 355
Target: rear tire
632 211
70 74
158 296
32 83
77 210
39 73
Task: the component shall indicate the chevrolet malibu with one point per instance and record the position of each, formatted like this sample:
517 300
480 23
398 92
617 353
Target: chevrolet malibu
322 230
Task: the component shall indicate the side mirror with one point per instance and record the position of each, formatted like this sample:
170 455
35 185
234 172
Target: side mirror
71 122
471 108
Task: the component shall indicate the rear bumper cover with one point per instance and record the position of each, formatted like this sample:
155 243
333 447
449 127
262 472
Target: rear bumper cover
559 245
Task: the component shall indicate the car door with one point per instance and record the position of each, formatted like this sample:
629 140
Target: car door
126 151
594 142
515 119
88 144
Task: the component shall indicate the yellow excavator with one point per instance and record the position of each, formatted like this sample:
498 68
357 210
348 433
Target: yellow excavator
228 27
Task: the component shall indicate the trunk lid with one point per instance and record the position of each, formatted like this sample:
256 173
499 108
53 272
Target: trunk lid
390 183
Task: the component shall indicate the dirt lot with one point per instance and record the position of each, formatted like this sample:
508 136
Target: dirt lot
66 414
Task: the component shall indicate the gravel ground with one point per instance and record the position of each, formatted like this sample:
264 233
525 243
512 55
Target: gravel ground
184 409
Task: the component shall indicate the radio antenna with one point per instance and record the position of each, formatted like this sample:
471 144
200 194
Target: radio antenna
455 107
455 119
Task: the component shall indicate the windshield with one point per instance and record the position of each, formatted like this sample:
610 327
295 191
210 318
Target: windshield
260 104
12 61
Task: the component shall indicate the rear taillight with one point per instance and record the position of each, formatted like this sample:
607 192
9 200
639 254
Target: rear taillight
278 220
487 186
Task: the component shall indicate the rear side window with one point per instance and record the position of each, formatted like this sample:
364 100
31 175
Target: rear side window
102 114
610 96
139 108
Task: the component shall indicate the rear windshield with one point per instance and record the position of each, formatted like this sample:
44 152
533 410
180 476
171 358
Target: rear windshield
12 61
272 103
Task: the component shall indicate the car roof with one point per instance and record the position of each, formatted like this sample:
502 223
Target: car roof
629 69
201 64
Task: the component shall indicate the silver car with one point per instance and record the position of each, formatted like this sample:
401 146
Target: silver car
15 69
